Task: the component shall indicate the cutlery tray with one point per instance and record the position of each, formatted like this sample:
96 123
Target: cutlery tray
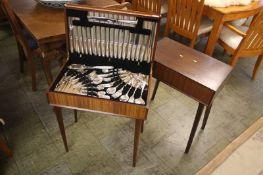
109 61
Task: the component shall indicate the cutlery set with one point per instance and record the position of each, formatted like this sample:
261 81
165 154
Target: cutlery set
109 66
109 56
104 82
111 42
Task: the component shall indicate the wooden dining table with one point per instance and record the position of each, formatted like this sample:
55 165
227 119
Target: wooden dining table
224 14
46 25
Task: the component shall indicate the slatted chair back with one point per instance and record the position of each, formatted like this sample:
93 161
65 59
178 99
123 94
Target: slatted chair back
120 6
147 5
184 17
252 44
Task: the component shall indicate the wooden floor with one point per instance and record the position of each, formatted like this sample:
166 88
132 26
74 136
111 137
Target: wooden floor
100 144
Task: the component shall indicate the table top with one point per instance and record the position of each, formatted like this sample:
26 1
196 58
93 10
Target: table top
44 23
237 9
192 64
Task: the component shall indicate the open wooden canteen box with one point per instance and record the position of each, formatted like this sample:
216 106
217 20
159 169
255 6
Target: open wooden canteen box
109 64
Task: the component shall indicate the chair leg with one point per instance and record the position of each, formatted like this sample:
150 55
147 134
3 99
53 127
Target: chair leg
5 148
33 73
166 30
137 131
256 67
155 89
142 126
234 60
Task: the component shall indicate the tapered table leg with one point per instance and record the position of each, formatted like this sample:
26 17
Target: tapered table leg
155 89
137 131
142 126
5 148
195 125
61 126
76 115
207 112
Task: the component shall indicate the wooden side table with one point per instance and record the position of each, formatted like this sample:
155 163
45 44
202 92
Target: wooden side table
193 73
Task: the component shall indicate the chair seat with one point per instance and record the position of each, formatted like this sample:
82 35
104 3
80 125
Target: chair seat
30 40
231 38
205 26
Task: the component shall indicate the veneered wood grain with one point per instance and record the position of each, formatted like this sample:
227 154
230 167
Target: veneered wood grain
197 66
97 105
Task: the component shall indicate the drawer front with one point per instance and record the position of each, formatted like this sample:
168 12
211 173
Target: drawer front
183 84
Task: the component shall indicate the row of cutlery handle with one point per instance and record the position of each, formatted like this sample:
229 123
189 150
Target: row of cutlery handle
112 42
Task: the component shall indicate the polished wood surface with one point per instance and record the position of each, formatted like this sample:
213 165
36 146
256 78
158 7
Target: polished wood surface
251 44
184 18
199 68
97 105
193 73
221 15
44 23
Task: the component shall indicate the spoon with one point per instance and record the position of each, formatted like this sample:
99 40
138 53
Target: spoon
119 92
125 97
131 99
140 101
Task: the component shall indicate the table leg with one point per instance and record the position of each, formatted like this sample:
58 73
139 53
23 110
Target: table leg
207 112
76 115
137 131
142 126
155 89
213 37
195 125
61 126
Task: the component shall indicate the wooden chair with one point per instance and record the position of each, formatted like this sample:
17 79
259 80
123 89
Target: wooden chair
3 145
147 5
185 19
241 41
27 46
120 6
